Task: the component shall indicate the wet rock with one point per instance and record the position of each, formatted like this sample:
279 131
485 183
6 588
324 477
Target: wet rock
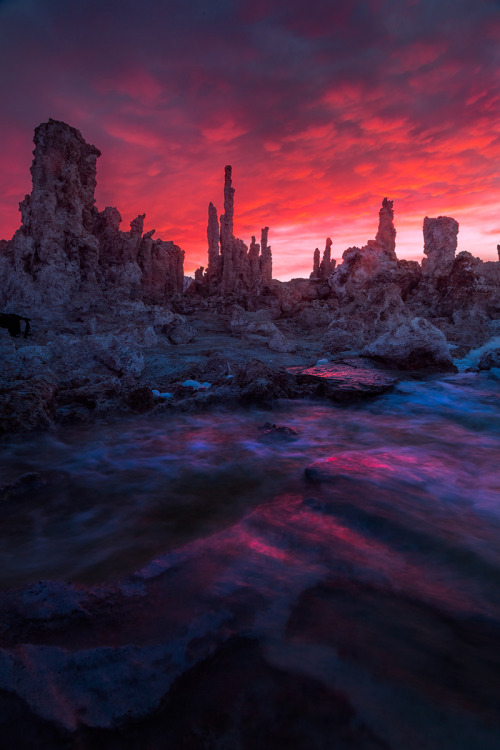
217 369
79 398
261 383
27 406
72 414
140 399
413 346
342 381
270 431
490 359
25 484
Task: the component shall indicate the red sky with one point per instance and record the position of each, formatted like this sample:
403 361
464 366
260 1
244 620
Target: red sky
323 108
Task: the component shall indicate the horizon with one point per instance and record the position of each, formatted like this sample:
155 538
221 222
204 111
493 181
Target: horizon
321 114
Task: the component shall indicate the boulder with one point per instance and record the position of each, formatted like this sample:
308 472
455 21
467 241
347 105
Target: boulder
179 332
261 383
490 359
412 346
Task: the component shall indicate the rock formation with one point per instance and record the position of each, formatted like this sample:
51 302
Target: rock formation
386 235
233 268
375 293
322 271
66 251
440 246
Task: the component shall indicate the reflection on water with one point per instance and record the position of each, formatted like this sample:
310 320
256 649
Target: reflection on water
357 561
419 461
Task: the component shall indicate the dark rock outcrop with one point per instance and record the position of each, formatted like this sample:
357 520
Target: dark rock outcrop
66 251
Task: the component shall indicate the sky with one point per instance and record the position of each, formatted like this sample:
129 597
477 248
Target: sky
323 108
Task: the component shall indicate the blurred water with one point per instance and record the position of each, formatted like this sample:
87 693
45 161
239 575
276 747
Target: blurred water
363 554
116 495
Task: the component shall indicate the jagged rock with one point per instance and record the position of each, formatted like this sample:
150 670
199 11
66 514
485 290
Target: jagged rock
245 321
315 271
66 252
234 268
260 383
440 245
374 309
286 296
386 234
262 328
414 345
321 271
119 350
124 360
266 263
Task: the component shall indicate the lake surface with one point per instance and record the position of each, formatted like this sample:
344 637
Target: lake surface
380 565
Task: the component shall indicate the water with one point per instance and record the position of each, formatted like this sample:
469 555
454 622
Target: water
113 496
376 572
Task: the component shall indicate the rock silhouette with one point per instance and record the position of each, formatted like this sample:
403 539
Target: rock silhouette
66 251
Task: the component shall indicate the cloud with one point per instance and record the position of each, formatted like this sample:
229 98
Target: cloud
322 109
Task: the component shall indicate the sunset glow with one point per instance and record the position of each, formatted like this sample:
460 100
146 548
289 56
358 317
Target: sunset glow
322 110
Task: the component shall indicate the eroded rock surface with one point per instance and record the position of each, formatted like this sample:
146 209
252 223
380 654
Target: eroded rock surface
412 346
69 254
233 268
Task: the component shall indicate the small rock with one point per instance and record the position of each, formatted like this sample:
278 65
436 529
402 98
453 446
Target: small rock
278 343
270 431
139 399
